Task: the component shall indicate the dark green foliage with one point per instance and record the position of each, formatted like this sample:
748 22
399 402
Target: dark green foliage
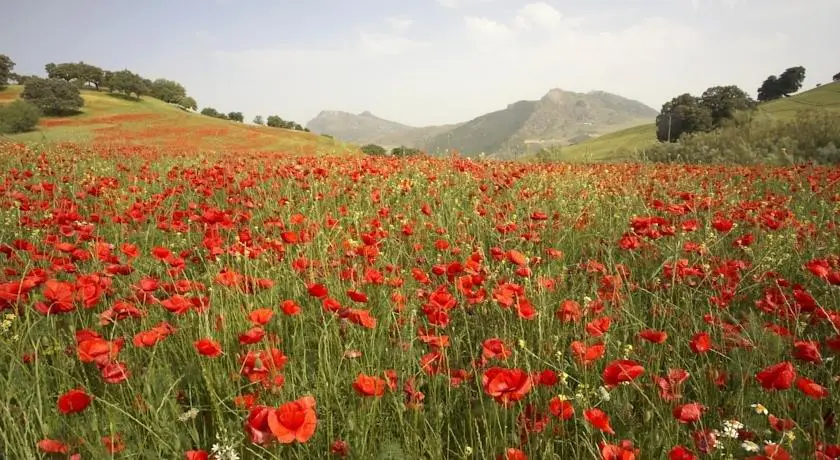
188 102
20 79
404 151
167 91
683 114
78 72
236 116
373 149
775 87
18 117
811 136
53 96
258 120
724 101
127 83
275 121
836 77
211 112
6 67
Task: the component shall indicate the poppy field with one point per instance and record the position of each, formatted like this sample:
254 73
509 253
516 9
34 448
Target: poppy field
272 306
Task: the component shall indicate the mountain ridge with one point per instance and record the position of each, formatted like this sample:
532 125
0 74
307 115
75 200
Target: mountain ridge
558 117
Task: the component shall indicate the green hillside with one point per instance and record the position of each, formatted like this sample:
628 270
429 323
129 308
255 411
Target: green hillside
623 144
111 119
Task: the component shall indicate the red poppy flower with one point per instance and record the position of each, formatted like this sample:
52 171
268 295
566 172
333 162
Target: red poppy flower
294 421
777 377
74 401
688 413
599 419
622 370
208 347
368 385
506 385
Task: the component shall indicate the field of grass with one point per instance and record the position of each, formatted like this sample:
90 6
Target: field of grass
621 145
111 120
272 306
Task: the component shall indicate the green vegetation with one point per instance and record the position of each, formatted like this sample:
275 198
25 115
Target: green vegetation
373 149
53 96
775 87
630 144
274 121
6 67
18 117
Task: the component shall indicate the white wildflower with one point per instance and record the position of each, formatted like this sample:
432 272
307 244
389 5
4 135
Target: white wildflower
188 415
749 446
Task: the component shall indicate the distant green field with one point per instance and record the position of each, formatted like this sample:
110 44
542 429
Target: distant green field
622 144
110 119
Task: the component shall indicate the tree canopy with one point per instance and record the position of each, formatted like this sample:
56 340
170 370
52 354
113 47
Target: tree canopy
783 85
53 96
19 116
168 91
128 83
236 116
836 77
690 114
258 120
275 121
78 72
373 149
6 67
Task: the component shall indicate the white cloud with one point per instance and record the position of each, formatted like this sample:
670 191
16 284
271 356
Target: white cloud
486 31
539 14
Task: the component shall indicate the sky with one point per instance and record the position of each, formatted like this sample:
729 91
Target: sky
426 62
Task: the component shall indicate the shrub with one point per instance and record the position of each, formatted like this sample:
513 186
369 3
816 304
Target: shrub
53 96
373 149
18 117
811 136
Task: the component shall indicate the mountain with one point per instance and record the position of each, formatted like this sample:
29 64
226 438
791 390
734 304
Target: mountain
367 128
558 118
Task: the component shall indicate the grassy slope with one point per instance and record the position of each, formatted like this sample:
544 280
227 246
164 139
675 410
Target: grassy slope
619 144
107 119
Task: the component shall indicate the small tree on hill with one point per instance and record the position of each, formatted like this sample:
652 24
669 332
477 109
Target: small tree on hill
168 91
236 116
404 151
373 149
18 117
683 114
210 112
274 121
53 96
775 87
128 83
6 67
258 120
836 77
724 101
188 102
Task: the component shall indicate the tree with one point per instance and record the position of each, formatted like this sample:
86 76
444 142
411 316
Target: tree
168 91
18 117
373 149
790 81
683 114
770 89
403 151
836 77
210 112
6 67
775 87
258 120
275 122
236 116
53 96
86 73
127 83
724 101
19 79
188 102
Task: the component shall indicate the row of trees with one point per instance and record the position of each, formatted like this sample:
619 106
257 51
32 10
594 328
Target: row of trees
378 150
686 113
274 121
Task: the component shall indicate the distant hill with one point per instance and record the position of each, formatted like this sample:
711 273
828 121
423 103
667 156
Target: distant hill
367 128
614 146
560 117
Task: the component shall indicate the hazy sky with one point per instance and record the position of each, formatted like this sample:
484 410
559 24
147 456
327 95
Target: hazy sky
426 61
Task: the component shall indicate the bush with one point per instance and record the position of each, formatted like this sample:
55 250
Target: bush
18 117
53 96
811 136
373 149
